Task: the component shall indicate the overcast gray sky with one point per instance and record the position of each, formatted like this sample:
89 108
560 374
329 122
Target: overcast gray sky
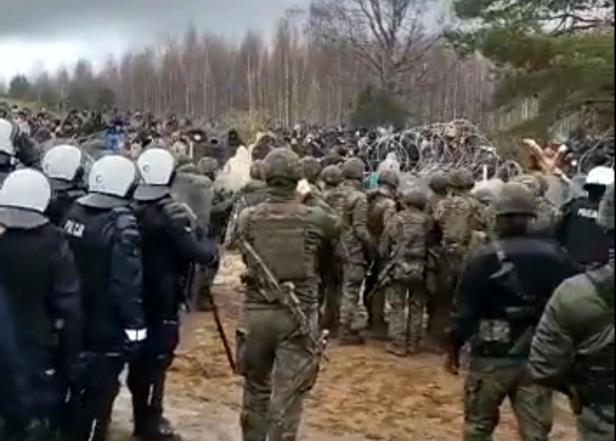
44 34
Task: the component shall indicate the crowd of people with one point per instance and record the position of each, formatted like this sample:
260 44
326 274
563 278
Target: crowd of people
97 264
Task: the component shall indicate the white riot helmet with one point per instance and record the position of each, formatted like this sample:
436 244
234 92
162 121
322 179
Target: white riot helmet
63 164
157 167
112 180
24 197
8 131
600 175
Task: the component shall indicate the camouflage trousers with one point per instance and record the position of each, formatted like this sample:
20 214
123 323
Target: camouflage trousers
353 276
279 371
405 314
596 423
490 381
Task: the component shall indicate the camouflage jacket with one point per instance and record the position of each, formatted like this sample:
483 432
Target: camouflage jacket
254 193
289 237
335 197
381 208
458 216
405 240
356 237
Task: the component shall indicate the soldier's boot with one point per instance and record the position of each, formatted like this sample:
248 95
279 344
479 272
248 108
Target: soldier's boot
349 337
397 349
204 301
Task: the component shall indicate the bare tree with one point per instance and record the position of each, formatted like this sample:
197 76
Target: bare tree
387 37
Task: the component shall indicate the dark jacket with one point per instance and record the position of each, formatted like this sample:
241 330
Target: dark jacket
483 295
107 248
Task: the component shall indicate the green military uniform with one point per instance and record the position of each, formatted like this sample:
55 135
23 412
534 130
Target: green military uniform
500 301
381 209
274 357
358 247
311 170
573 348
459 217
440 295
334 195
403 248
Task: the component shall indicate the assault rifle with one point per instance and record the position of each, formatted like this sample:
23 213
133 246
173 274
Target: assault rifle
285 295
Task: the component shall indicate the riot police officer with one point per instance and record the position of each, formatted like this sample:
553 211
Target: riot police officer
15 146
42 291
63 165
577 230
7 148
12 387
573 348
169 245
105 239
500 302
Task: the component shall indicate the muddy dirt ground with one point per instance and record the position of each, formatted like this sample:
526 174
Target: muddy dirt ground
362 393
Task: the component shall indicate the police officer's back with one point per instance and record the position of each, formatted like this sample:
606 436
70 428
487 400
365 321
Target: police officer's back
169 245
105 240
13 388
42 291
502 292
63 165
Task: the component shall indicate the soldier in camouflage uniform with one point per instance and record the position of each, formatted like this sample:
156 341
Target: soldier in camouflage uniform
547 214
403 248
381 209
500 302
359 247
208 166
255 191
573 348
456 216
439 184
311 169
334 195
273 355
440 295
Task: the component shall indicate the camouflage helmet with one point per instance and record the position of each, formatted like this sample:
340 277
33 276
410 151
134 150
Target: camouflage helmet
182 160
529 181
257 170
389 178
414 198
485 195
606 209
332 175
514 198
208 165
353 169
311 168
188 167
462 180
282 163
439 182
